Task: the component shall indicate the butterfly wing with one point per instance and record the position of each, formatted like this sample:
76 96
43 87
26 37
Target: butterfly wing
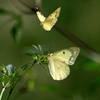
58 70
67 55
48 24
75 52
51 20
40 16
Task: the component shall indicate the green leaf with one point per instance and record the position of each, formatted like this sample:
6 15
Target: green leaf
95 85
29 54
4 79
17 29
3 69
3 11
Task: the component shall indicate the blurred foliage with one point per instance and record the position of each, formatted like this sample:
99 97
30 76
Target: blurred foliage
88 64
50 88
94 86
17 29
2 11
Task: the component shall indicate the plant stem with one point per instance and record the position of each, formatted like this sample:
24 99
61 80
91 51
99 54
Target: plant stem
15 4
23 69
4 88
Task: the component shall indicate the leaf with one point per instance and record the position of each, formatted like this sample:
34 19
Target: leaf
3 11
16 30
29 54
95 85
3 69
4 79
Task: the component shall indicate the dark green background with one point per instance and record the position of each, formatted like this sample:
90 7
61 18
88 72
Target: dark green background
81 18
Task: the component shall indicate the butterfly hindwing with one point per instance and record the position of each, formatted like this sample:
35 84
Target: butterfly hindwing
48 24
58 70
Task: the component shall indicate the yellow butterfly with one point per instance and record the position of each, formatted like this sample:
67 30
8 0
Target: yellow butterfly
50 21
59 61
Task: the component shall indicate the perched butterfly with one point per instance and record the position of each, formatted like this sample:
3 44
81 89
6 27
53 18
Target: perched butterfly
50 21
59 61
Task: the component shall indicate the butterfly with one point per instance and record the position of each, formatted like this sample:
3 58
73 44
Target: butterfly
59 61
50 21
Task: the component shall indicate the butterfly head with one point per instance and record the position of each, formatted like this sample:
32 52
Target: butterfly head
36 8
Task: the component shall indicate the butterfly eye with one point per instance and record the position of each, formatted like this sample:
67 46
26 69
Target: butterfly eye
63 52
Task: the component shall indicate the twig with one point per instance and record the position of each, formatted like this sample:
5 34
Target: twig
4 88
10 92
93 54
28 5
14 2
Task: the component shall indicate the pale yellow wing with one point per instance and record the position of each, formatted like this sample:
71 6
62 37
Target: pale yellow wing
40 16
51 20
58 70
67 55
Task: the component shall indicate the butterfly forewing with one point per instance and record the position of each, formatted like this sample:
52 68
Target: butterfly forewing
51 20
67 55
58 70
75 52
55 14
63 55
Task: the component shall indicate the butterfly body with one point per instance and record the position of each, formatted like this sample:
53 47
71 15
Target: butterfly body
59 61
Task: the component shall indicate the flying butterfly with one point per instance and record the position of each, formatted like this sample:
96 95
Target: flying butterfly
59 61
50 21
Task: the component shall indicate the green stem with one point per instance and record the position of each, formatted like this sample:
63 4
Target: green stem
4 88
44 68
23 68
10 92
